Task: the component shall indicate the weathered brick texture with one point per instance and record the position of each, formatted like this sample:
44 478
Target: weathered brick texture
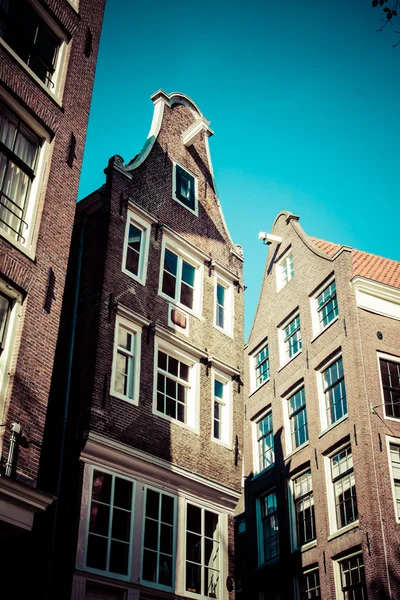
354 333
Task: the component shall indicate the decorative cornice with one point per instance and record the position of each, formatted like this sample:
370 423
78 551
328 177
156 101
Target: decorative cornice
19 502
121 458
377 289
195 130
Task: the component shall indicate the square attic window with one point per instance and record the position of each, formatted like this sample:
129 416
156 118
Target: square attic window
184 188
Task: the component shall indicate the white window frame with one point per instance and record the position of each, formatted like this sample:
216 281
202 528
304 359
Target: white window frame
226 408
280 266
183 254
192 422
338 571
390 358
262 560
333 523
144 227
9 341
143 581
253 366
60 63
196 187
32 203
221 543
307 571
219 280
325 425
317 326
284 344
144 478
88 491
292 512
256 455
393 441
288 419
136 331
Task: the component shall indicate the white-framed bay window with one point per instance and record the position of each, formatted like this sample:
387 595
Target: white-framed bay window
176 385
128 531
136 247
221 408
125 378
181 276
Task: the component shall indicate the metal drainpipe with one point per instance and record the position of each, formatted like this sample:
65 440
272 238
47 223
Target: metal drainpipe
16 430
67 397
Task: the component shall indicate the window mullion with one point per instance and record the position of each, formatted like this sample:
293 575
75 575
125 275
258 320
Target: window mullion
110 522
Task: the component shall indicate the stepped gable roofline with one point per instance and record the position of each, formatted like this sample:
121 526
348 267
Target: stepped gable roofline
365 264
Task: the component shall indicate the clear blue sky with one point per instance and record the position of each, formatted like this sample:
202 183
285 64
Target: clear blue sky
303 98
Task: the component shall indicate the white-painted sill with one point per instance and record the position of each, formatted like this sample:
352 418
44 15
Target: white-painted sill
27 251
343 530
264 471
316 336
259 387
307 443
185 309
178 423
335 424
290 360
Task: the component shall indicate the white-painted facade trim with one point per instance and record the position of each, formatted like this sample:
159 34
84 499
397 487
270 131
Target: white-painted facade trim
376 297
123 459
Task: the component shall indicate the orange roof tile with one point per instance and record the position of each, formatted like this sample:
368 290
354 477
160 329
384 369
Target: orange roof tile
378 268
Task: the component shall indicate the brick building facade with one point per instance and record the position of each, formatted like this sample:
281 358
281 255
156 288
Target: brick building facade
48 53
156 398
322 429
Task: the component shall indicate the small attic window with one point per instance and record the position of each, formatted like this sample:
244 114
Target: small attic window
184 188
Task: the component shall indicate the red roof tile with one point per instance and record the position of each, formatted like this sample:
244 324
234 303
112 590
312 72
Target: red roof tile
383 270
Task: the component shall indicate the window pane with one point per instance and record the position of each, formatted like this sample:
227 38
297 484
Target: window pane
5 307
96 557
119 554
101 487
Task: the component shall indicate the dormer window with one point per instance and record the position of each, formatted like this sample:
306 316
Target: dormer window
184 188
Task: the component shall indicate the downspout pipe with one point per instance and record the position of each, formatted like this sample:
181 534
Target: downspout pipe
67 395
15 432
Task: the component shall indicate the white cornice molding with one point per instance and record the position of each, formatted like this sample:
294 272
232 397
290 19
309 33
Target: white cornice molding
126 312
377 297
165 334
19 502
120 458
194 131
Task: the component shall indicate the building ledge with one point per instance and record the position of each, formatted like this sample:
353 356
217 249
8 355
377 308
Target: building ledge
19 502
